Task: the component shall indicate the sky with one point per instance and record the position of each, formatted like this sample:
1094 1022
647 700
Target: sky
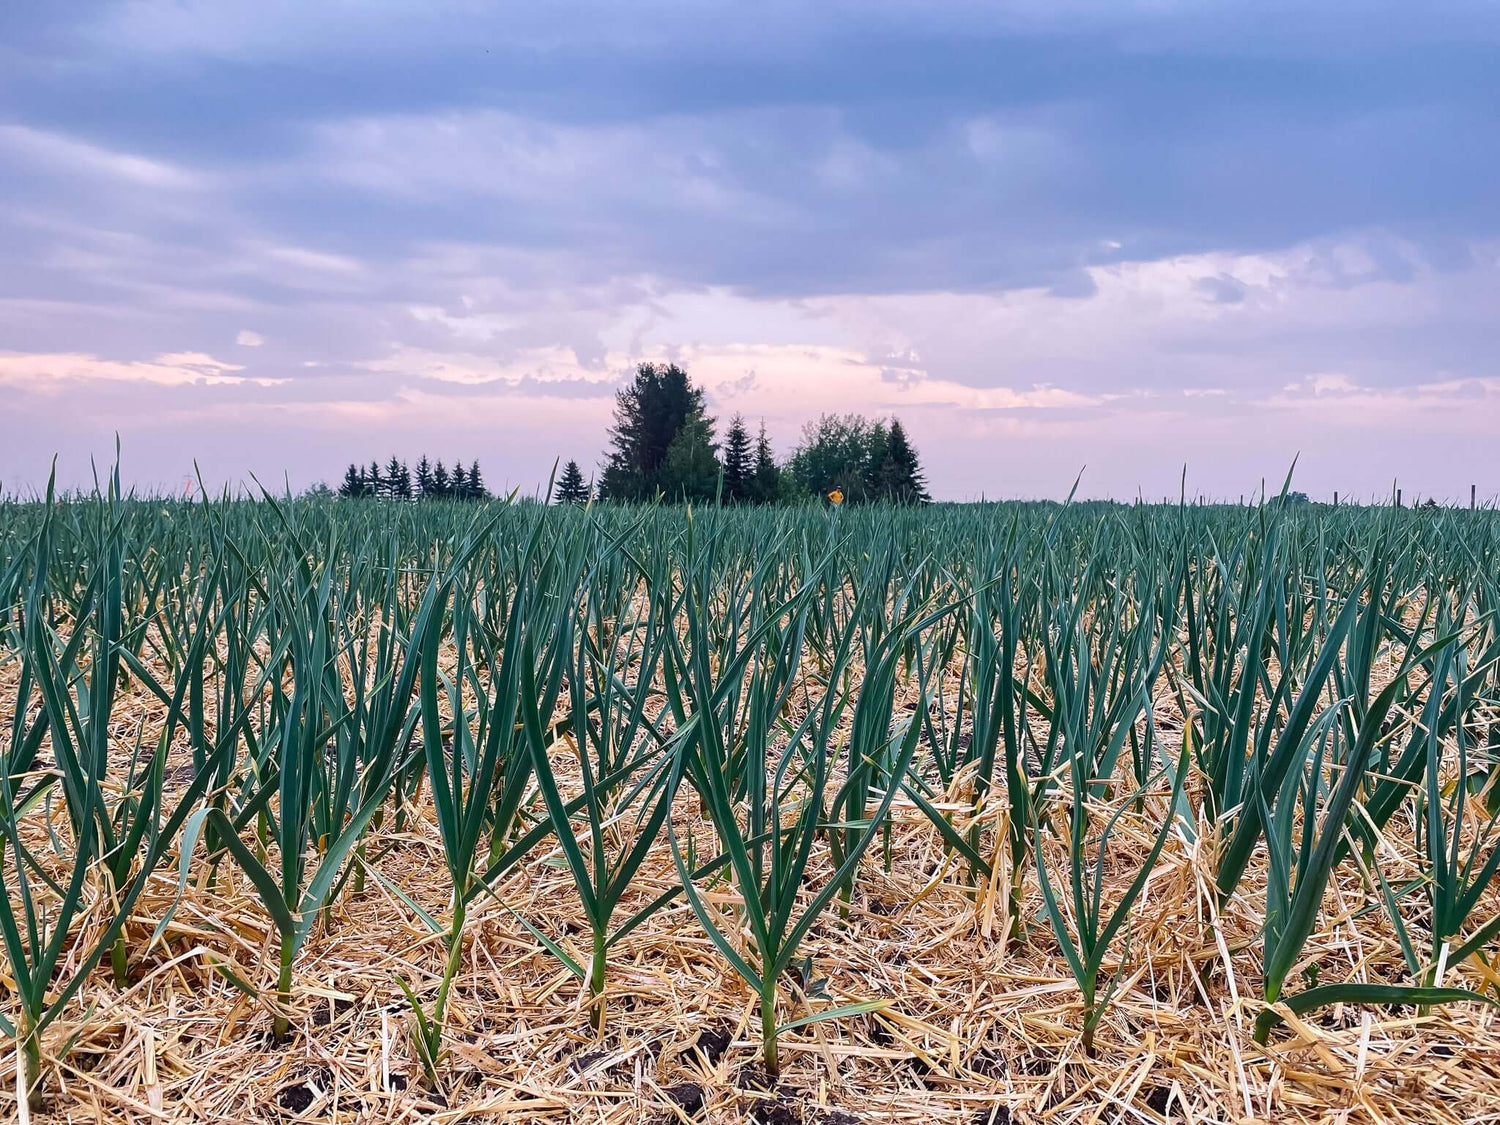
269 237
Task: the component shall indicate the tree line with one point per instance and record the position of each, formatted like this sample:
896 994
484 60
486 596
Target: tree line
429 482
663 444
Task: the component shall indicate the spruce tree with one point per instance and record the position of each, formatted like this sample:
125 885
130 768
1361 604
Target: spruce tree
901 479
460 486
739 470
767 478
424 478
439 480
877 448
692 468
571 487
477 490
405 482
353 482
393 478
374 482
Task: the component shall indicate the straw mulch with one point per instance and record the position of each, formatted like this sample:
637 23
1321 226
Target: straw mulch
982 1027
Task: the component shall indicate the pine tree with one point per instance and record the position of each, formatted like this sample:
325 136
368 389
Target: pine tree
477 490
403 491
393 478
353 482
440 486
374 482
767 480
424 478
738 468
460 486
571 487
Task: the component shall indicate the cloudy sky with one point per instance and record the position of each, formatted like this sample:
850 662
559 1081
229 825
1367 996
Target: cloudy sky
272 236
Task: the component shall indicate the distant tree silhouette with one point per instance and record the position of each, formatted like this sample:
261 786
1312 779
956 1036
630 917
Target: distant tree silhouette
440 483
692 468
571 487
424 477
766 481
739 469
650 414
477 490
899 478
864 460
354 482
393 478
877 445
458 487
833 454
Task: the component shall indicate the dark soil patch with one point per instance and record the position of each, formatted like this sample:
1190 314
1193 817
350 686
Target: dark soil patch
713 1042
295 1098
583 1062
753 1076
994 1115
434 1099
1157 1097
299 1095
330 1012
779 1112
688 1097
1034 1065
990 1063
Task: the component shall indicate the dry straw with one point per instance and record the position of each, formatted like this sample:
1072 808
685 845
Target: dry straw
999 814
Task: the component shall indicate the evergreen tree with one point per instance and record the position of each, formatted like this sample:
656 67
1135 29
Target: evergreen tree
766 486
477 490
877 447
459 488
393 478
440 486
374 482
901 477
404 482
354 484
571 487
692 469
739 471
424 478
649 414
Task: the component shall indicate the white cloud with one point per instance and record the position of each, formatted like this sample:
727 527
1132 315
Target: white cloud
249 339
62 152
556 364
303 258
49 372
